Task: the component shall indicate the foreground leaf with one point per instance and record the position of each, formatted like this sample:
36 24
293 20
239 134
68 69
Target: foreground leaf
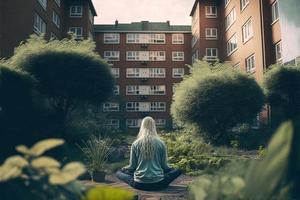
45 163
264 176
40 147
68 174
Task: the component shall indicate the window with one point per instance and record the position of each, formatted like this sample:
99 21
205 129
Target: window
56 19
43 3
244 4
145 106
112 123
58 2
145 55
160 123
117 90
211 33
278 51
77 31
211 54
136 38
230 19
247 31
275 11
178 72
115 72
76 11
145 90
232 45
111 107
210 11
111 38
39 25
112 55
145 73
158 106
250 63
157 56
177 38
177 56
133 123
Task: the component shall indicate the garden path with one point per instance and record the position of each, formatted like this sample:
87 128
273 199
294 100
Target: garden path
176 191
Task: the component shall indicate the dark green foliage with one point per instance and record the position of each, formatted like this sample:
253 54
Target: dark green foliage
16 109
216 98
275 177
282 87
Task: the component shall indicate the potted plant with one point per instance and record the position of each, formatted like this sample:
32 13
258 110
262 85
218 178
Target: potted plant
96 151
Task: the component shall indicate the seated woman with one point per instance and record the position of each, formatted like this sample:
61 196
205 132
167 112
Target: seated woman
148 168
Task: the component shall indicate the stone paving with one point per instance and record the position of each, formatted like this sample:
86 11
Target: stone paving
178 190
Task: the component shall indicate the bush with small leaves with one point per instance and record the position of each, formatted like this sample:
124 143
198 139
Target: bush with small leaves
216 98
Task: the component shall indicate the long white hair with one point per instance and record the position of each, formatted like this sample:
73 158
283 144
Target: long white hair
146 136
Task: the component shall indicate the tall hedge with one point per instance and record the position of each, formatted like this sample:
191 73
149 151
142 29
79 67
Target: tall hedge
216 98
282 88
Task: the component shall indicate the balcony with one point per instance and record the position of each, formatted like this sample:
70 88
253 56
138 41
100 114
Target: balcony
144 63
144 80
144 97
144 46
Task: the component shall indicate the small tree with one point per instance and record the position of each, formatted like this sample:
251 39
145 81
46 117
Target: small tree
282 88
70 78
216 98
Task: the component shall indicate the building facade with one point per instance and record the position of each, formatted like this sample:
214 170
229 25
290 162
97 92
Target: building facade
147 59
54 18
243 32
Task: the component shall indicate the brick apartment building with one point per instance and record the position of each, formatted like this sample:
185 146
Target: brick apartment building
147 59
54 18
244 32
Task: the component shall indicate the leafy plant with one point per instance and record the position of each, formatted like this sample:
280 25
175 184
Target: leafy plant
96 151
37 177
214 98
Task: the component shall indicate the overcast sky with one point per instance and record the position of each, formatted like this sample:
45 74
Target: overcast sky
177 11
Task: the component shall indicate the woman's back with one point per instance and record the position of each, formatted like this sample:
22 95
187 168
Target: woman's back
149 170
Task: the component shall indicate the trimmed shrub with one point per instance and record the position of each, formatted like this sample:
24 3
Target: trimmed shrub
66 74
216 98
282 88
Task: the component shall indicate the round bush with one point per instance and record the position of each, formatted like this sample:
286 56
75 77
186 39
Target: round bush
282 87
216 100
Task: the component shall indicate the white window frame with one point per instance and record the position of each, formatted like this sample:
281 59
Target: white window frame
278 51
209 33
157 55
145 73
247 30
58 2
112 123
160 123
157 72
177 56
111 107
39 25
115 72
230 19
226 2
244 4
157 106
209 12
211 51
111 38
78 11
135 90
250 64
232 45
75 31
117 90
56 19
111 55
43 3
143 38
178 38
133 123
178 72
275 11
